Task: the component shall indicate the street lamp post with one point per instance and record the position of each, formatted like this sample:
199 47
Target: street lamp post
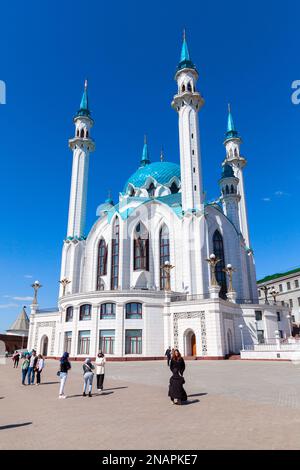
242 336
265 291
213 261
36 286
167 267
274 294
229 270
64 282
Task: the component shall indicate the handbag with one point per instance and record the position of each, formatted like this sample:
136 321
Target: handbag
58 373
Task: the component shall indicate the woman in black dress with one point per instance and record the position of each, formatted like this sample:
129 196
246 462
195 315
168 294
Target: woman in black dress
177 362
176 390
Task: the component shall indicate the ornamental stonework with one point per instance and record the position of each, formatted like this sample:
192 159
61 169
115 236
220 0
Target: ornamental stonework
188 315
39 325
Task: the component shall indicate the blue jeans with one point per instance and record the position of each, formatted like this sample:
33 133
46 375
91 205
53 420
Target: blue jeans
24 373
30 375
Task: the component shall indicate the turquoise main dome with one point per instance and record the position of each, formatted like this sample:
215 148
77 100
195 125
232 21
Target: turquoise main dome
161 172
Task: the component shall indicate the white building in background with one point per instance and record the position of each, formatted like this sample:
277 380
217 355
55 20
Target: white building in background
287 287
117 299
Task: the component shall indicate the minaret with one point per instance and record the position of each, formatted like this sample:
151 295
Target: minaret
230 197
187 102
145 160
82 145
232 145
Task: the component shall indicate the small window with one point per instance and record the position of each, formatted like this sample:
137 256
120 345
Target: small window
296 283
195 188
183 88
288 285
194 170
85 312
298 301
69 314
151 190
293 318
278 316
291 303
133 310
193 152
84 342
107 341
189 87
174 188
192 135
282 303
133 342
68 341
108 311
82 133
258 315
280 287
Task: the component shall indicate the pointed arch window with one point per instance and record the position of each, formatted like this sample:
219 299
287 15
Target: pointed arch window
218 250
115 249
183 88
164 254
102 263
189 87
151 190
82 133
174 188
141 248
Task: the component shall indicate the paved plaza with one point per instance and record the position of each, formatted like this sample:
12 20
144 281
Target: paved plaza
232 405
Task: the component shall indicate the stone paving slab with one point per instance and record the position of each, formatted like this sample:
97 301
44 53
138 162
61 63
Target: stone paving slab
227 408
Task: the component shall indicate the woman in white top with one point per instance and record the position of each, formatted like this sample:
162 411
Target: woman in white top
100 371
39 367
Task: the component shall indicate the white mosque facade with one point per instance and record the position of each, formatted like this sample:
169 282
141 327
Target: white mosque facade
140 281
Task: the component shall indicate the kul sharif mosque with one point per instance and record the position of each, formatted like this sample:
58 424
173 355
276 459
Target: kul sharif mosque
159 267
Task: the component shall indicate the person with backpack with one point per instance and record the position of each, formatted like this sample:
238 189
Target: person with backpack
25 367
65 366
88 376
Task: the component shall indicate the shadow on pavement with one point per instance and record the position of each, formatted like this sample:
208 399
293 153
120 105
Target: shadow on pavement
115 388
9 426
190 402
93 395
49 383
197 395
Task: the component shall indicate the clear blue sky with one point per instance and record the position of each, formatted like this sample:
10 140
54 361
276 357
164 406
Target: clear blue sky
246 53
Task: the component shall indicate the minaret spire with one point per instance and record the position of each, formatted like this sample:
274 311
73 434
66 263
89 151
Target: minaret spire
231 130
185 59
145 160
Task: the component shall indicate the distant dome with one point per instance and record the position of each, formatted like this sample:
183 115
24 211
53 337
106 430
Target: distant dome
161 172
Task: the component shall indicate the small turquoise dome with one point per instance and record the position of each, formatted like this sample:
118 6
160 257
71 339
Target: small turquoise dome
161 172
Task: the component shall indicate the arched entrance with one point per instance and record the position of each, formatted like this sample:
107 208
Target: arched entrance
190 347
44 345
229 342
